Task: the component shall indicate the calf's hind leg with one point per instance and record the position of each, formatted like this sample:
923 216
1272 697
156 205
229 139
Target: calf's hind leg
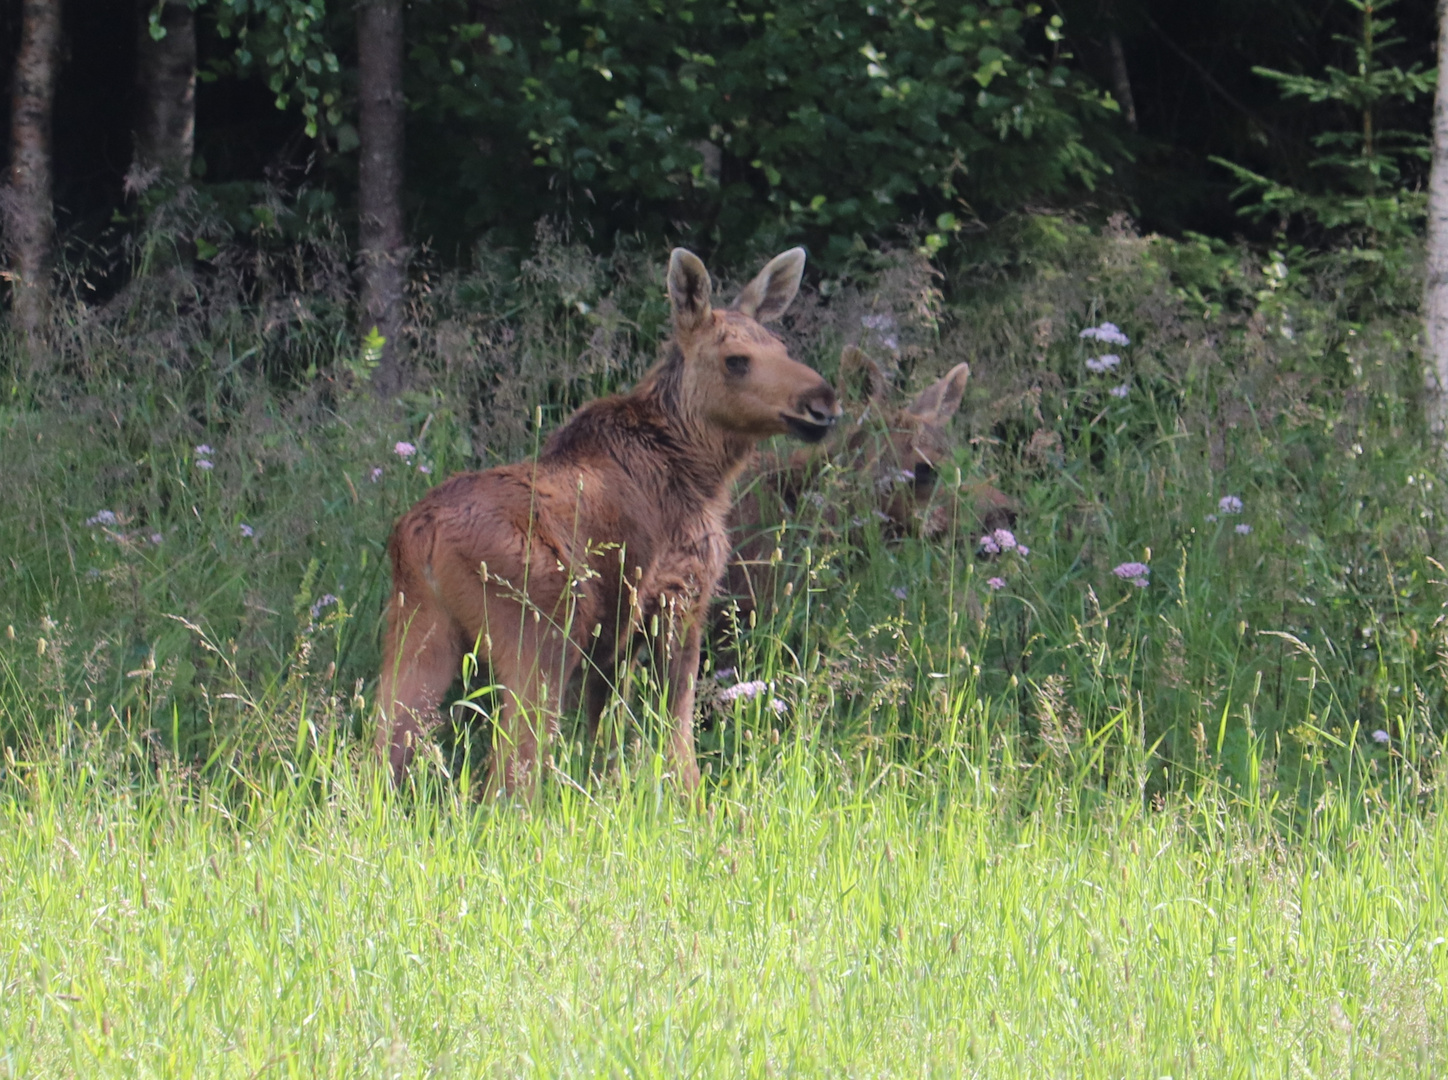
421 655
533 676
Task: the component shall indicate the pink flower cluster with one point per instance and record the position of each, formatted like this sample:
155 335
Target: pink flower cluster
748 691
1135 572
1002 540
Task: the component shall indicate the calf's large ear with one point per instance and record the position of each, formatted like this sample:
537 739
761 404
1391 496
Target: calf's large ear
689 288
765 298
937 403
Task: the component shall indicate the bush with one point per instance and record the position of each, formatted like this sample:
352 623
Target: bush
643 115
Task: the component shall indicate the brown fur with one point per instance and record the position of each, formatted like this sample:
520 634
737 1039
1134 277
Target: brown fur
617 530
896 450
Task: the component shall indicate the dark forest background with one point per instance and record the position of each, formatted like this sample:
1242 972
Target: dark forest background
508 120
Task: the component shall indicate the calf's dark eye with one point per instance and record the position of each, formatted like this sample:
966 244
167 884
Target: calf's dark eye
737 364
924 474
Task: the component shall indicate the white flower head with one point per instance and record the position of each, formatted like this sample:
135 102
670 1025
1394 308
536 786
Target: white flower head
745 691
1229 504
404 450
1100 365
1107 332
1120 391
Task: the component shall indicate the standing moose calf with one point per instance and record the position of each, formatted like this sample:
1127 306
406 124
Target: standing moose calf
618 529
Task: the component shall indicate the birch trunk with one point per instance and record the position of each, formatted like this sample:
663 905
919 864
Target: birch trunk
1435 299
382 251
28 210
1121 80
166 93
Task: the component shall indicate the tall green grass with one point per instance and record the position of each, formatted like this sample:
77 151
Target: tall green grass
813 918
1013 815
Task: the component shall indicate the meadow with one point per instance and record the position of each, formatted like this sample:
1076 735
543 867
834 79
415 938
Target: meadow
1153 792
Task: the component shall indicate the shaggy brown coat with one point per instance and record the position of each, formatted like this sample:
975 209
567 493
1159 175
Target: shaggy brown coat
616 531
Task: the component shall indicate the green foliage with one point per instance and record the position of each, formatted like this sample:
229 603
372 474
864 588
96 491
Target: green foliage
1244 377
1360 199
288 40
745 122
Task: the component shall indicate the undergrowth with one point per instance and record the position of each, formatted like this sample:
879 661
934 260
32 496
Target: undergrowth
196 505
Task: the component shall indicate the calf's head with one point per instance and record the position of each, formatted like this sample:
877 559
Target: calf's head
904 448
736 374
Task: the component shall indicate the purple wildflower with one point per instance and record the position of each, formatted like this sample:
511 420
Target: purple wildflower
1243 529
205 466
376 473
156 538
745 690
1229 504
102 517
996 582
323 602
1381 737
1110 333
899 592
989 546
1120 391
1004 538
204 451
1100 365
404 450
426 470
1021 549
778 706
882 323
1211 519
1137 573
247 531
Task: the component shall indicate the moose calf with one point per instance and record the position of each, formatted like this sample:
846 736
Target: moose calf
616 531
896 451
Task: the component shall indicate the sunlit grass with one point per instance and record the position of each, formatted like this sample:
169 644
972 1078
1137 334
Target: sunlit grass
1017 817
811 919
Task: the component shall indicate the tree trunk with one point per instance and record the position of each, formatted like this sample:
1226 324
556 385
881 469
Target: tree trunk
382 252
1435 298
166 95
29 213
1121 80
